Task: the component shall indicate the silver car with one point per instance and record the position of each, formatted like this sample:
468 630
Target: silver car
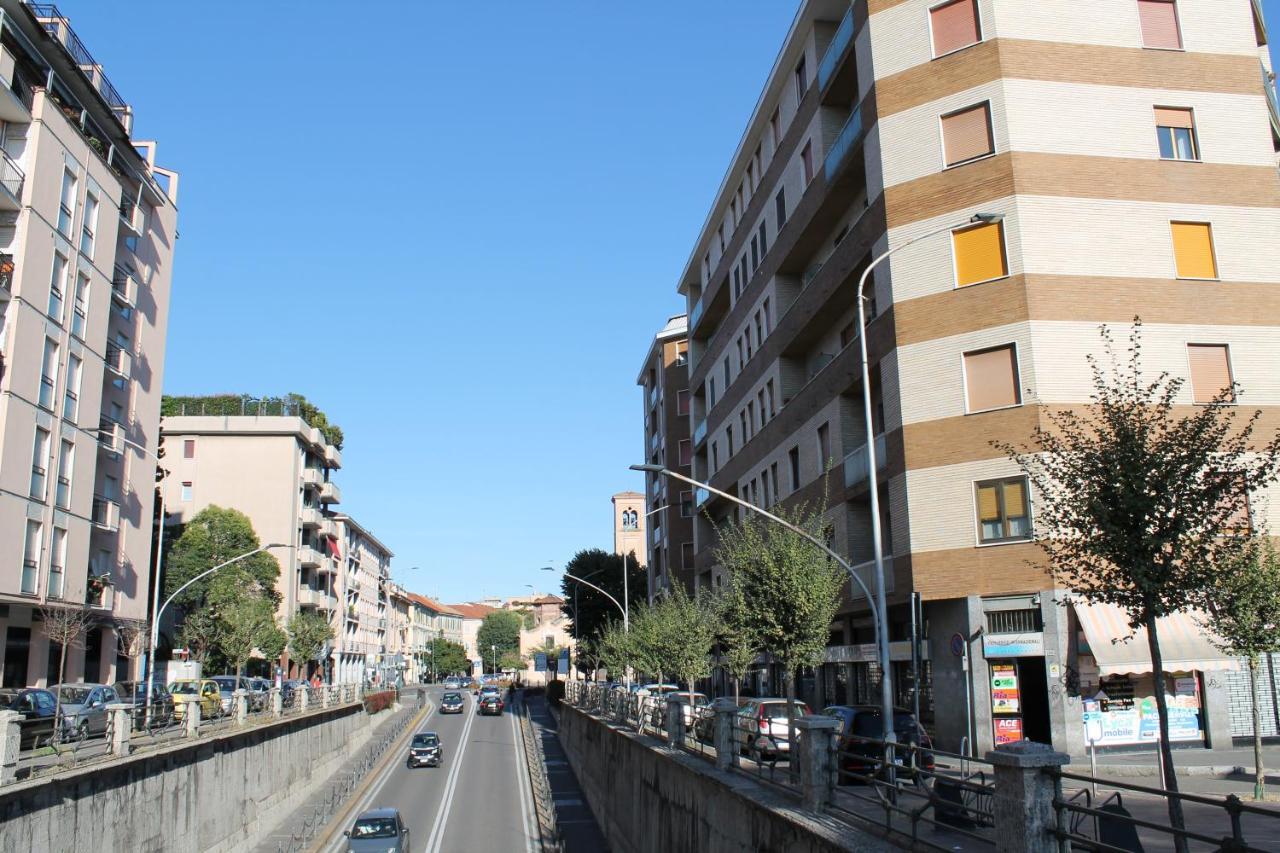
378 831
84 709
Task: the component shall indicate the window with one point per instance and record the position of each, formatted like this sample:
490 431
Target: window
726 371
31 557
954 25
686 452
742 265
802 79
806 160
682 408
111 488
744 423
720 232
966 134
1004 514
1210 372
1159 20
39 461
48 374
1193 250
763 413
57 559
66 462
1239 520
89 224
189 448
751 416
991 379
186 491
737 284
1176 134
773 478
780 206
57 286
682 355
686 555
764 311
711 392
686 504
706 268
80 308
768 394
715 457
728 431
793 456
979 254
764 241
764 483
755 253
775 129
67 202
71 398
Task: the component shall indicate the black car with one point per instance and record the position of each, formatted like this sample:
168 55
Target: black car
37 708
861 726
425 750
135 692
491 705
451 703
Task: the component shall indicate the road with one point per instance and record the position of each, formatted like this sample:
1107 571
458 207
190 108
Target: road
478 799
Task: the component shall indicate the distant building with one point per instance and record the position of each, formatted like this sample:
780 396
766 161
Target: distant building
472 616
547 633
629 525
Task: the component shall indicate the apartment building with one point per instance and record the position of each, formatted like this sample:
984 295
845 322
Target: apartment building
1127 152
277 470
629 524
363 602
664 377
88 223
472 617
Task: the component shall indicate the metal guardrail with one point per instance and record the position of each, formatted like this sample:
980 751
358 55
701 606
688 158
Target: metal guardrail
543 798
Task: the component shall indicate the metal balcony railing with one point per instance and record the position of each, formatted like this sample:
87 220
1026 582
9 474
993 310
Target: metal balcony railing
850 137
11 175
700 432
1269 86
118 360
106 513
110 435
6 273
855 464
839 46
124 285
55 23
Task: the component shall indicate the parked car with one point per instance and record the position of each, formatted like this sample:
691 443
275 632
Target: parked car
37 709
490 705
290 687
760 727
378 831
227 687
861 725
259 693
705 727
135 692
451 703
84 709
425 750
694 706
205 688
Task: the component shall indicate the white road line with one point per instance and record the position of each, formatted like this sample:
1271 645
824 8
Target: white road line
532 833
446 799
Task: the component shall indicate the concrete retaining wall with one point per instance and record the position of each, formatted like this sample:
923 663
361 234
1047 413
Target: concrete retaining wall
647 798
216 794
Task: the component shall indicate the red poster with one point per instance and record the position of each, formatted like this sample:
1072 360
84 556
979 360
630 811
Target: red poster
1008 730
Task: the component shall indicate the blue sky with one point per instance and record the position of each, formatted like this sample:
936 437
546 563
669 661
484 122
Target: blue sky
454 226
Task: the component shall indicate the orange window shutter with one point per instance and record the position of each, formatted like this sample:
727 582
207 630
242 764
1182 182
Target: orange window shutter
988 503
1193 250
967 134
1015 499
979 254
1159 19
991 379
1168 117
954 25
1210 371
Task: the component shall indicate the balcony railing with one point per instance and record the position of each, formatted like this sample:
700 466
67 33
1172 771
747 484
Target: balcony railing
332 456
312 477
110 435
6 274
330 493
700 432
130 216
695 315
55 24
855 464
11 175
850 137
1269 85
124 285
118 360
309 558
106 514
839 46
311 517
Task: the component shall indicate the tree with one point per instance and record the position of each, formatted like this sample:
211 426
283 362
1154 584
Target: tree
501 628
788 589
308 632
510 661
1133 499
587 610
246 624
691 625
133 638
738 645
64 626
447 657
214 536
613 648
1243 616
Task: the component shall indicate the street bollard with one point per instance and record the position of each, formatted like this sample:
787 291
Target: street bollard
814 756
304 699
240 700
1024 794
191 715
277 702
675 724
726 748
10 745
121 715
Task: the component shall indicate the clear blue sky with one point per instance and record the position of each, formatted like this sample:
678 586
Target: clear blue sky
454 226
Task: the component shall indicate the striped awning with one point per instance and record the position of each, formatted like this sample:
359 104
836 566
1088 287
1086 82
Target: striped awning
1119 650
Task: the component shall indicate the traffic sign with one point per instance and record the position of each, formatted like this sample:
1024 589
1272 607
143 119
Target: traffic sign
957 644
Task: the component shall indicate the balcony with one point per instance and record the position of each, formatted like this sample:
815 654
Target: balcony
655 439
309 558
1269 86
855 464
106 514
130 218
99 594
867 571
119 360
838 70
110 436
311 517
849 140
332 456
700 433
700 496
124 285
330 493
328 527
6 275
11 180
309 597
695 315
653 396
312 478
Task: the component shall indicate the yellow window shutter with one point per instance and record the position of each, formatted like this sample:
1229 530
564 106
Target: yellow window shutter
979 254
988 503
1193 250
1014 499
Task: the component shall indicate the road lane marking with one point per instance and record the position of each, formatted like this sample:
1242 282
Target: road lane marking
446 799
532 832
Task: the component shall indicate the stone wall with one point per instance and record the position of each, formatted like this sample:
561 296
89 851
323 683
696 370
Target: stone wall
647 798
216 794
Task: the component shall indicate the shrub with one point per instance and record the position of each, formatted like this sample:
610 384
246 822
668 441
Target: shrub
555 693
375 702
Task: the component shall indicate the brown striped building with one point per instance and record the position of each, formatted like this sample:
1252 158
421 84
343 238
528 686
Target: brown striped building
1131 147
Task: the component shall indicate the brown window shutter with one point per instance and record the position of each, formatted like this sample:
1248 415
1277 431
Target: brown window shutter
1168 117
955 25
1210 370
967 134
1159 20
991 379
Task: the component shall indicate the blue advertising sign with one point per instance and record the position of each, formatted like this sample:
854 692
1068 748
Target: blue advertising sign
540 662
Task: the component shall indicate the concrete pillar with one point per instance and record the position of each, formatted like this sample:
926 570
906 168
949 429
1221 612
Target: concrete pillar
240 702
639 706
1217 707
121 727
191 715
277 702
304 699
814 754
1066 720
10 745
1023 801
675 724
726 747
324 696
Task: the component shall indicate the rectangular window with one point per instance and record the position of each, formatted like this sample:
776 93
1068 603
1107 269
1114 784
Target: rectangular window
66 463
1210 372
764 311
966 134
715 457
71 398
686 453
806 161
1176 134
802 79
728 431
39 463
57 560
49 374
773 478
1193 250
742 265
57 286
711 392
755 254
737 284
186 491
764 242
793 456
991 379
824 445
189 448
768 394
726 371
80 308
686 504
1004 512
764 484
682 407
67 202
780 207
746 426
89 225
954 25
1159 19
775 129
979 254
31 557
720 233
686 555
706 268
763 412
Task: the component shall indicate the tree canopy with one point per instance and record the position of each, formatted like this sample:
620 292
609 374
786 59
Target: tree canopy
447 657
214 536
308 632
500 628
605 570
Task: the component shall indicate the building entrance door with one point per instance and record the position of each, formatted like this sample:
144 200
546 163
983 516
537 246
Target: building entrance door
1035 700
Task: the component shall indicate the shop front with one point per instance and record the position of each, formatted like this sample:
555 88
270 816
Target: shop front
1019 690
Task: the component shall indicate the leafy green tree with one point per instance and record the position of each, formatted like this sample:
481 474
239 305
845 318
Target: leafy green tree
501 628
510 661
1243 616
1133 499
690 623
245 625
587 610
648 642
613 648
308 632
214 536
447 657
737 644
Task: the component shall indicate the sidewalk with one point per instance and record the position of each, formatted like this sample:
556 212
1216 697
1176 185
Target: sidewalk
579 831
1212 763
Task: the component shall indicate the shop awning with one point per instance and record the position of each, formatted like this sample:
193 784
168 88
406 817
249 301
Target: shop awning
1184 645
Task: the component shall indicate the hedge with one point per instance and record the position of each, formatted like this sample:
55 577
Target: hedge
375 702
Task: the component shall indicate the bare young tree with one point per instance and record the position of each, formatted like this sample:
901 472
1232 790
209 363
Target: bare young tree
64 626
133 636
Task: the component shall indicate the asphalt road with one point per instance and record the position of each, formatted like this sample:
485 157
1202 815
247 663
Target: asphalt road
477 799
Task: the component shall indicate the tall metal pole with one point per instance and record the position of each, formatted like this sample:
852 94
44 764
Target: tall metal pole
155 605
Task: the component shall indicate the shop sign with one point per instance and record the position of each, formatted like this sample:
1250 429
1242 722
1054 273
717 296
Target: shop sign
1013 645
1125 720
1008 730
1092 721
1004 689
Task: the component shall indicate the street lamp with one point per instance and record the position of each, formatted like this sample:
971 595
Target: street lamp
621 605
493 649
155 619
431 651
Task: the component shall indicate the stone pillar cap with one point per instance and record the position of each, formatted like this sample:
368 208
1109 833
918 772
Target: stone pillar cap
120 706
187 698
1027 753
816 721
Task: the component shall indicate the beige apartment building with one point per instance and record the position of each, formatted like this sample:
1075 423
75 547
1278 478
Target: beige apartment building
363 602
665 380
88 224
1130 146
472 616
629 524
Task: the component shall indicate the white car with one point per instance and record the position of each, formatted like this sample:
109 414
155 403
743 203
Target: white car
694 706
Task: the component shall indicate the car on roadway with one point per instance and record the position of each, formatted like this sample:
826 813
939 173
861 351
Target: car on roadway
861 728
205 688
378 831
693 706
259 693
425 750
705 727
451 703
36 705
760 727
84 709
135 693
490 704
490 690
453 683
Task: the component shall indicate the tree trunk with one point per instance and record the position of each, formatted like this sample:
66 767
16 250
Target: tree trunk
1166 752
57 696
1259 774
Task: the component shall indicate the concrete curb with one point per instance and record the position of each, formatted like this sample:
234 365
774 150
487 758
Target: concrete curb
1203 771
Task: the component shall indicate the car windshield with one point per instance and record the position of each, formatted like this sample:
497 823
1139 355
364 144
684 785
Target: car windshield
426 740
452 697
870 725
374 827
189 688
73 695
8 697
225 682
779 709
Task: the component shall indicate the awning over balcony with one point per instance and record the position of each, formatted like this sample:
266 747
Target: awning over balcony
1184 645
